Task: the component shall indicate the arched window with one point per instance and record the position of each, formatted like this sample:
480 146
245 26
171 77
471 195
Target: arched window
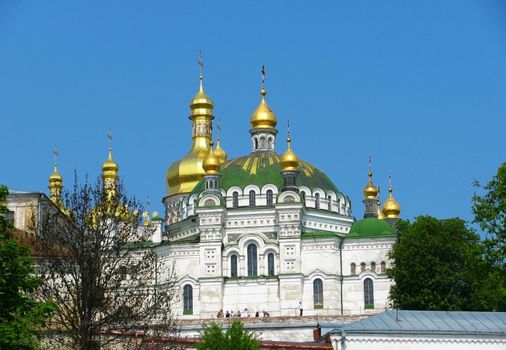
233 266
368 294
362 266
194 203
270 264
252 198
187 300
235 199
373 266
329 199
317 200
353 269
383 267
303 197
318 293
256 143
252 260
270 199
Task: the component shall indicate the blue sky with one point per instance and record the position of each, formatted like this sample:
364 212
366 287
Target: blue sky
418 85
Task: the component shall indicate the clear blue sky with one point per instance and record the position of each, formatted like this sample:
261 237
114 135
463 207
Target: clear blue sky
419 85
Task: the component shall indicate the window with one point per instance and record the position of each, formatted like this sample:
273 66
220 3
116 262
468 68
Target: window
329 199
318 293
235 199
233 266
362 266
270 264
252 260
252 199
187 300
194 203
383 267
368 294
270 199
353 269
373 266
317 201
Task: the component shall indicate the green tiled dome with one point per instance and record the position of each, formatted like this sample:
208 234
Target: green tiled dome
261 168
371 227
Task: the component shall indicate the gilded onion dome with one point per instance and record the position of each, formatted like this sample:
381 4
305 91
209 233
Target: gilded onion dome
55 181
263 117
110 168
220 152
185 173
381 216
289 160
391 208
370 190
212 163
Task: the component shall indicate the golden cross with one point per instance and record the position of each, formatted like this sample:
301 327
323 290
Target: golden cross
218 126
370 161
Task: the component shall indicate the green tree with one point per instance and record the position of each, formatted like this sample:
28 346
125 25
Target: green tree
490 214
235 338
20 314
436 266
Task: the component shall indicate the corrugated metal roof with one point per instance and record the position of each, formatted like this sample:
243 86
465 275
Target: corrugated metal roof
458 322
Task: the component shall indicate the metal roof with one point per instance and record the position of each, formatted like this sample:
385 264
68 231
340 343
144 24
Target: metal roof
442 322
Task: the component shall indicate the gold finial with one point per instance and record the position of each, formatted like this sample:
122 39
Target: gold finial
218 151
370 167
109 137
262 91
390 181
110 168
289 160
218 129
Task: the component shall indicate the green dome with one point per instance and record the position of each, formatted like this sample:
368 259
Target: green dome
262 168
371 227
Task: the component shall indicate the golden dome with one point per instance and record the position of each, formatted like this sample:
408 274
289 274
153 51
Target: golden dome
220 152
184 174
55 180
201 104
110 168
263 117
391 209
380 213
212 163
370 190
289 160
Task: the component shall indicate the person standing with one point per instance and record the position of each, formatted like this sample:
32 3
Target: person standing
300 308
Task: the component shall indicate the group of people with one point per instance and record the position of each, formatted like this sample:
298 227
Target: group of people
239 313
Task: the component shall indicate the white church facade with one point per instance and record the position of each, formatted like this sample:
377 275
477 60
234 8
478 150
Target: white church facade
268 231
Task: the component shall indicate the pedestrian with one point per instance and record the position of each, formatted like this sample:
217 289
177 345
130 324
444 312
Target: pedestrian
300 307
257 314
227 314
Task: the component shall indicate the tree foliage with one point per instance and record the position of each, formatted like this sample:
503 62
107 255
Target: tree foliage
20 314
234 338
437 266
101 270
490 213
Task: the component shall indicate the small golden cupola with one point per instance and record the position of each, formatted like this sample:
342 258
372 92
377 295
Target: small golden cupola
391 208
184 174
289 160
218 151
110 168
55 181
370 195
370 190
263 123
212 163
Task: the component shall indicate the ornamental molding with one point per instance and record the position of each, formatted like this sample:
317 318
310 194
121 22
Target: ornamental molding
368 244
320 245
429 339
186 250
